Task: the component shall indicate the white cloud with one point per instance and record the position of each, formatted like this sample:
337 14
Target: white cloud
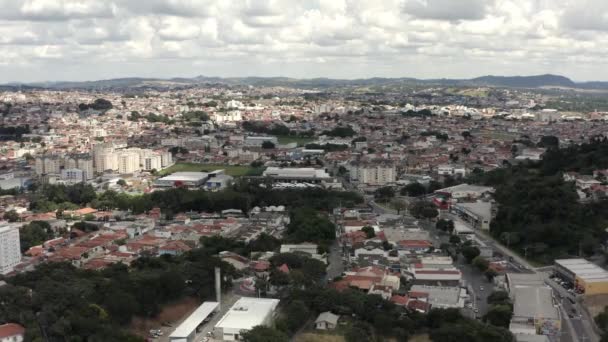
92 39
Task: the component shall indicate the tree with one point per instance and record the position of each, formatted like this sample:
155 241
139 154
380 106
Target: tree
499 298
490 274
549 141
466 134
384 194
121 182
470 253
268 145
499 315
413 189
455 239
262 333
480 263
369 232
423 209
34 234
399 205
11 216
296 315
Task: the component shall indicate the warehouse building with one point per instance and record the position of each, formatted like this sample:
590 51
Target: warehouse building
186 332
245 314
297 175
587 277
534 312
191 180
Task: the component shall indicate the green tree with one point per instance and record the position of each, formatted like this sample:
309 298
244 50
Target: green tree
413 189
11 216
262 333
296 315
470 253
480 263
499 298
268 145
490 274
499 315
384 194
369 232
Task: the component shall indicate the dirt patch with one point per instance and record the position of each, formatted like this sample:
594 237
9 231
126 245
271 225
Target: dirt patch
319 337
420 338
172 313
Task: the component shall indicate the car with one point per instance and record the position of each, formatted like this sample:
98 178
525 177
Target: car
481 288
476 310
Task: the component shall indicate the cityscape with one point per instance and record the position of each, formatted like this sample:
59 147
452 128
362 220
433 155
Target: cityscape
269 171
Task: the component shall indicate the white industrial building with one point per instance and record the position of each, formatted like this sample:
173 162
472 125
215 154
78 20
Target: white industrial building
186 332
245 314
297 175
188 179
10 248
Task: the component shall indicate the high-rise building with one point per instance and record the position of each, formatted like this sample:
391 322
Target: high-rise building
128 162
152 163
373 173
10 249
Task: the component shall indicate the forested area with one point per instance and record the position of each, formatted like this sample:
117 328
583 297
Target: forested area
242 196
58 302
539 214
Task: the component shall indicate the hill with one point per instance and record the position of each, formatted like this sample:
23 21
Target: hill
135 83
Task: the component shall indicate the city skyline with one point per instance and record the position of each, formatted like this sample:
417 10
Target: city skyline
77 41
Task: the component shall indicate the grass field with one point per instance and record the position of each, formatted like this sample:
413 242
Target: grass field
232 170
299 140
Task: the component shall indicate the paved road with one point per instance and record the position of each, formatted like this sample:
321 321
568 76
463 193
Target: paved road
579 328
335 267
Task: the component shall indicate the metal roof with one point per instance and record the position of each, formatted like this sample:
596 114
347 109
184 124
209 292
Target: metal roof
189 325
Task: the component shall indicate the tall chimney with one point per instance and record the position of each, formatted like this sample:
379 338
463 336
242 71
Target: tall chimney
218 287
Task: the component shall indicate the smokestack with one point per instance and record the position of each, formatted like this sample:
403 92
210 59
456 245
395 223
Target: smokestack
218 287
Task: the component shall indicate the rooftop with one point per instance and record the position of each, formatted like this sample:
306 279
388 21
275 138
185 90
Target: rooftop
185 176
187 326
583 269
534 302
247 312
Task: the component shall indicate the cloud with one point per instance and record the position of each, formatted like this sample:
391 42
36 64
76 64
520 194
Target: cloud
54 10
447 9
92 39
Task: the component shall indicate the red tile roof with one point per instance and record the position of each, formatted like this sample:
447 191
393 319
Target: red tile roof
399 300
11 329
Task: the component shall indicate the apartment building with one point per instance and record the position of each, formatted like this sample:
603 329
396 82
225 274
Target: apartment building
373 173
10 249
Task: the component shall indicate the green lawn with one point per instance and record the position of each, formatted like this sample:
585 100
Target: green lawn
232 170
299 140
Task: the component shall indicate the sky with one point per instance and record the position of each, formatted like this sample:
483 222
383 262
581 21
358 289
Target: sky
53 40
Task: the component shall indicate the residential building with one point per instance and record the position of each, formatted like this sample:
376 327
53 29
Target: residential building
326 321
12 332
10 248
380 173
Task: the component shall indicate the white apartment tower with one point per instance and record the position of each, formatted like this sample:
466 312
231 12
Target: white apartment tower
373 174
128 162
10 249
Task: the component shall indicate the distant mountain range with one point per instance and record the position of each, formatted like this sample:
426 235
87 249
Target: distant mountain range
539 81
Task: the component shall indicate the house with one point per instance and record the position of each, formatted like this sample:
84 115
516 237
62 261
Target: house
326 321
11 332
174 247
